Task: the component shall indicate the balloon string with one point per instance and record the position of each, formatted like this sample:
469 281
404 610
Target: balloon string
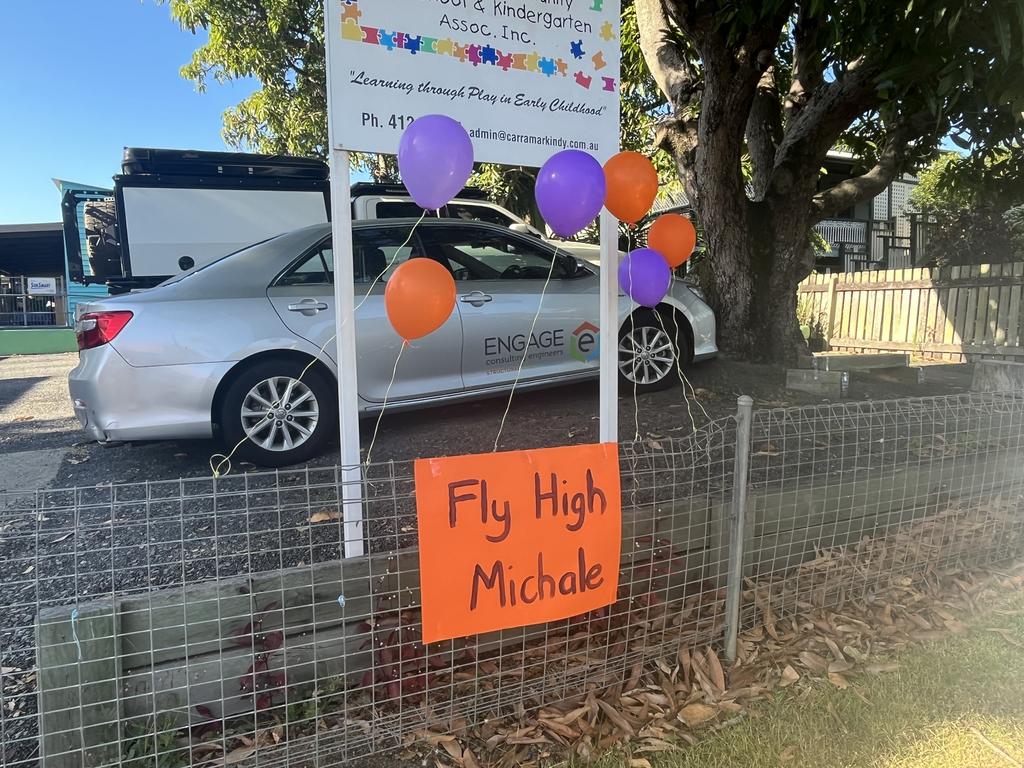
526 350
632 336
677 351
384 405
225 460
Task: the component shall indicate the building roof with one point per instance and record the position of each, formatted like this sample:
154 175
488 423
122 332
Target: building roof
26 229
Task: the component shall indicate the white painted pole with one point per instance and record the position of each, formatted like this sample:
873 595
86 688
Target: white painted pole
345 329
345 325
608 410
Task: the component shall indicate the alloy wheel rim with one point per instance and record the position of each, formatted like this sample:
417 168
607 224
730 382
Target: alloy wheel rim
280 414
646 355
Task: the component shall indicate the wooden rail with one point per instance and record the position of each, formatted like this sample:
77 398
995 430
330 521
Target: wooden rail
950 313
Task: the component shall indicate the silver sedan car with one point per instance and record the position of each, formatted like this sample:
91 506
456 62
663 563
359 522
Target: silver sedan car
242 347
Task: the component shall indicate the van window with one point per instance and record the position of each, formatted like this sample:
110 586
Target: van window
401 209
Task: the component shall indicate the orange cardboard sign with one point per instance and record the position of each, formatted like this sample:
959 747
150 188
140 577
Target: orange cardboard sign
518 538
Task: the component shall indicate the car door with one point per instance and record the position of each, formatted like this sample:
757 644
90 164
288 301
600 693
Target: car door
304 298
500 280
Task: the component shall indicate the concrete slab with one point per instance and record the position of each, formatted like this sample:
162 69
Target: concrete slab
832 361
997 376
829 384
30 470
909 376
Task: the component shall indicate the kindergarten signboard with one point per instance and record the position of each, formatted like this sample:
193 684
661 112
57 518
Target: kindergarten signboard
519 538
526 78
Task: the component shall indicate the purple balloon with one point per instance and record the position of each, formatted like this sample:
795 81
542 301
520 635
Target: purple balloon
645 276
435 159
570 191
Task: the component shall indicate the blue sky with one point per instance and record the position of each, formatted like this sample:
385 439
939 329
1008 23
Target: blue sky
82 80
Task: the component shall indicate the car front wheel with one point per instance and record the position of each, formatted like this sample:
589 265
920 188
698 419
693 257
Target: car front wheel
279 414
648 353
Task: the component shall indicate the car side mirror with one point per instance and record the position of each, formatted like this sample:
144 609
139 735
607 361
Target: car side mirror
521 228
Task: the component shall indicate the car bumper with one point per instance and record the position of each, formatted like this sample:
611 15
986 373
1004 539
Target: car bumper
114 401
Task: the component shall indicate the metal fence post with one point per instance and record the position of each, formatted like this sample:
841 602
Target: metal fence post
737 529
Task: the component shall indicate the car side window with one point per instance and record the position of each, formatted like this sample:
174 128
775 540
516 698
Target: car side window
379 252
483 254
376 255
316 269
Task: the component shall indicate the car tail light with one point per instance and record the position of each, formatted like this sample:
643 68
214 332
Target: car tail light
94 329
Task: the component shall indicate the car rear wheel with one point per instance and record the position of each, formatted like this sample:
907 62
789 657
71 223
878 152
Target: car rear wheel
278 414
648 353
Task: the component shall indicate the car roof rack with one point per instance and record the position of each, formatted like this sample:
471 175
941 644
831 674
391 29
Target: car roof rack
365 188
187 162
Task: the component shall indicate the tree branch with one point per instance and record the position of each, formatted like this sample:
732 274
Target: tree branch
671 69
849 192
764 131
808 70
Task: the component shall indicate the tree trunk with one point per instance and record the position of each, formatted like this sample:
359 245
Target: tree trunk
752 276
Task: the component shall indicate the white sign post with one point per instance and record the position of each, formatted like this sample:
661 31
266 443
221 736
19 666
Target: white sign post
526 78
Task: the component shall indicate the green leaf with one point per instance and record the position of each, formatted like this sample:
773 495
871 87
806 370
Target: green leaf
1003 34
959 141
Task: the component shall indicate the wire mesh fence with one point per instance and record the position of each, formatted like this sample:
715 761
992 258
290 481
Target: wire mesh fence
206 621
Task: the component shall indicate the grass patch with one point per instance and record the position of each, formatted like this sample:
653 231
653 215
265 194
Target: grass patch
955 703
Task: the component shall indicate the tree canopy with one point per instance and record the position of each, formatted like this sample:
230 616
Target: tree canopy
776 84
973 212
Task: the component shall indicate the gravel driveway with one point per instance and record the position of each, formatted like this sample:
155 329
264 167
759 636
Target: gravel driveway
43 446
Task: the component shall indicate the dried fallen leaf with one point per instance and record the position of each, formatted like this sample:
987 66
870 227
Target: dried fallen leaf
454 749
236 755
838 681
639 762
813 661
325 515
697 714
715 671
616 717
787 755
789 676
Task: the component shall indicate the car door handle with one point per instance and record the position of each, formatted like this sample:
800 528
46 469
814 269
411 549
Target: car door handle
476 298
308 307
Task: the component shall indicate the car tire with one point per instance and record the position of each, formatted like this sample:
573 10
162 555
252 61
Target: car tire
649 348
306 402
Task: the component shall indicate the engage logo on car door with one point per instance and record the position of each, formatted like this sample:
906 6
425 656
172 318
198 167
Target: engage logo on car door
504 353
585 343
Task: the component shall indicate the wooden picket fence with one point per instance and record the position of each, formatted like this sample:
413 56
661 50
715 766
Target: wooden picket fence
947 313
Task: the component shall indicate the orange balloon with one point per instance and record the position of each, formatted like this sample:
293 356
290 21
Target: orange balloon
674 237
631 184
419 298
